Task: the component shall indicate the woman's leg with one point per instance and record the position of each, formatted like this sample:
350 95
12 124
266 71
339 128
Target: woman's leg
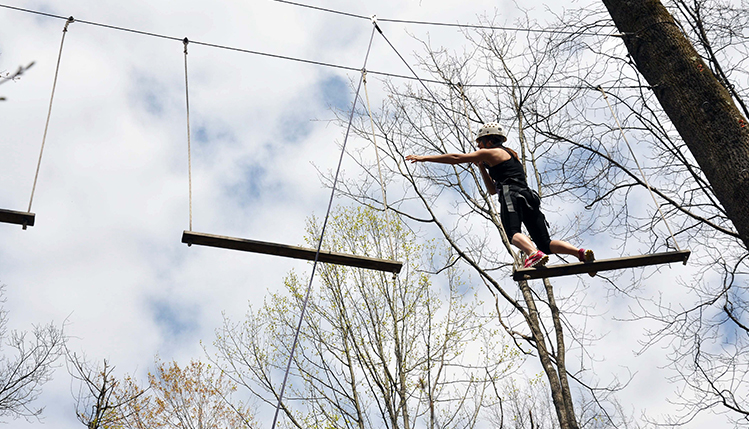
533 256
559 246
524 243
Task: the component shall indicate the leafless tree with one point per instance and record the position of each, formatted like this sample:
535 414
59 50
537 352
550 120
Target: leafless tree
552 90
101 401
7 76
707 328
696 95
25 365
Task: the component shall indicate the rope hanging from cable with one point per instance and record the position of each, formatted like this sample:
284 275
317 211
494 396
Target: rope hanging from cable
319 243
49 111
185 42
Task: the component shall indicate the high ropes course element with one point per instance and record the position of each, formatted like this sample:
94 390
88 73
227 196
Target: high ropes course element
318 255
190 237
27 218
591 267
268 248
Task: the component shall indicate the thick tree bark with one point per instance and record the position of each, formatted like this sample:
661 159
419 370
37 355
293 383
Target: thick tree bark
700 108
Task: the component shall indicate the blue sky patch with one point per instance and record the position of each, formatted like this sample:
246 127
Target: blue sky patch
251 186
149 94
295 127
173 319
209 135
336 93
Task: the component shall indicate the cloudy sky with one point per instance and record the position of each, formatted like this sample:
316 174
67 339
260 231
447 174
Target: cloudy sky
105 256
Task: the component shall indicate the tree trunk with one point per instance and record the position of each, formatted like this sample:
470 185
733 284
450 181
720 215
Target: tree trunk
700 108
562 400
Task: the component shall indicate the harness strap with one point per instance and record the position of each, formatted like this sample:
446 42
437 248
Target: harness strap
508 198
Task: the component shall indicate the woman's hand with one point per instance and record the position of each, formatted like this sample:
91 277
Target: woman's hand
414 158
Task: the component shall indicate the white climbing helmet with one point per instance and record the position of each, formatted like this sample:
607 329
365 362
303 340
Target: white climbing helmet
491 129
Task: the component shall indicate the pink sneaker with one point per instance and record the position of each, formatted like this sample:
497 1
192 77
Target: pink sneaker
538 259
585 255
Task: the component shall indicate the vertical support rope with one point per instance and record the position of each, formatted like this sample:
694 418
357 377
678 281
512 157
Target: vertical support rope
379 168
49 111
319 243
644 177
185 41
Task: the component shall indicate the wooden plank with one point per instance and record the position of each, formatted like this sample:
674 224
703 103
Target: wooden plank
601 265
201 239
20 218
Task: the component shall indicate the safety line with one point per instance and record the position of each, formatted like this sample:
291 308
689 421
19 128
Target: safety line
447 24
307 61
322 235
337 12
49 111
644 177
444 110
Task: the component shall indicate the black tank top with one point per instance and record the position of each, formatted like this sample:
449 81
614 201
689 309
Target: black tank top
509 172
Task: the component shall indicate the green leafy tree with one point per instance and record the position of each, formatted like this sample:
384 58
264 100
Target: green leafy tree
417 350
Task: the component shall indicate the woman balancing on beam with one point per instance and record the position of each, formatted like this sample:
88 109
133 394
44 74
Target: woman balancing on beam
519 204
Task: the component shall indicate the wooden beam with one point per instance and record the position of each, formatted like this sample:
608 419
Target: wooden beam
190 238
601 265
20 218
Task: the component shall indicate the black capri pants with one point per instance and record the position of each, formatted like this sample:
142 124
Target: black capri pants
518 206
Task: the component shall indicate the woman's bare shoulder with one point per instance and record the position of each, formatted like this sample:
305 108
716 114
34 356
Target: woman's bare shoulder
494 156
